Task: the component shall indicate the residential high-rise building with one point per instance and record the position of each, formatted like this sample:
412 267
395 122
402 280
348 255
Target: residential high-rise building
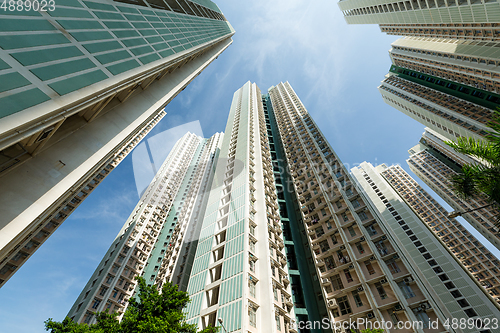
478 260
440 273
448 85
366 272
250 268
455 19
434 162
82 83
159 229
445 73
288 239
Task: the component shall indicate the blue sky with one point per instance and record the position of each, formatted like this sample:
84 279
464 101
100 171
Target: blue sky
335 69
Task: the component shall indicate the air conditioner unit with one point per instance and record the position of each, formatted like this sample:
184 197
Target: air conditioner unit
373 258
332 302
351 267
342 247
384 237
398 307
360 288
370 315
425 306
362 239
409 279
396 256
383 281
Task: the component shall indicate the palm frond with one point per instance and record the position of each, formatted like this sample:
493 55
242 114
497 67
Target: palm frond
484 150
464 183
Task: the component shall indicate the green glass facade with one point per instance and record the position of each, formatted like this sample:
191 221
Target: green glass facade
80 43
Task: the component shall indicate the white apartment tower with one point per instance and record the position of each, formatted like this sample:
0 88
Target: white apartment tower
473 255
154 232
240 269
441 278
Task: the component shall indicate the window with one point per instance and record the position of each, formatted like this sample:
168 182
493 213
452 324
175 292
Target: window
393 266
348 276
344 306
344 216
381 291
251 287
351 231
406 290
103 291
96 303
369 268
275 290
319 231
252 316
422 317
252 266
394 317
252 247
337 282
330 263
278 322
360 248
109 279
88 317
362 216
324 246
371 230
357 299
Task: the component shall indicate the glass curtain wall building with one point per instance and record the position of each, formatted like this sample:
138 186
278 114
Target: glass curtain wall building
81 85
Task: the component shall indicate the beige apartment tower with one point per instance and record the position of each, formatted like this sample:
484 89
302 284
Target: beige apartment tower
81 86
434 162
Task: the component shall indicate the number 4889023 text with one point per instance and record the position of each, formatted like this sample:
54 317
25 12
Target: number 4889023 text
27 5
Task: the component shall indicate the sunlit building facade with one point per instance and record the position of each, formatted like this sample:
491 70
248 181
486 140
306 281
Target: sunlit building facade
450 86
82 84
248 265
152 238
454 19
473 255
440 278
434 162
364 272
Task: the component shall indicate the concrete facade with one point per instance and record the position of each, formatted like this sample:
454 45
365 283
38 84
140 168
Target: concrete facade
434 162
